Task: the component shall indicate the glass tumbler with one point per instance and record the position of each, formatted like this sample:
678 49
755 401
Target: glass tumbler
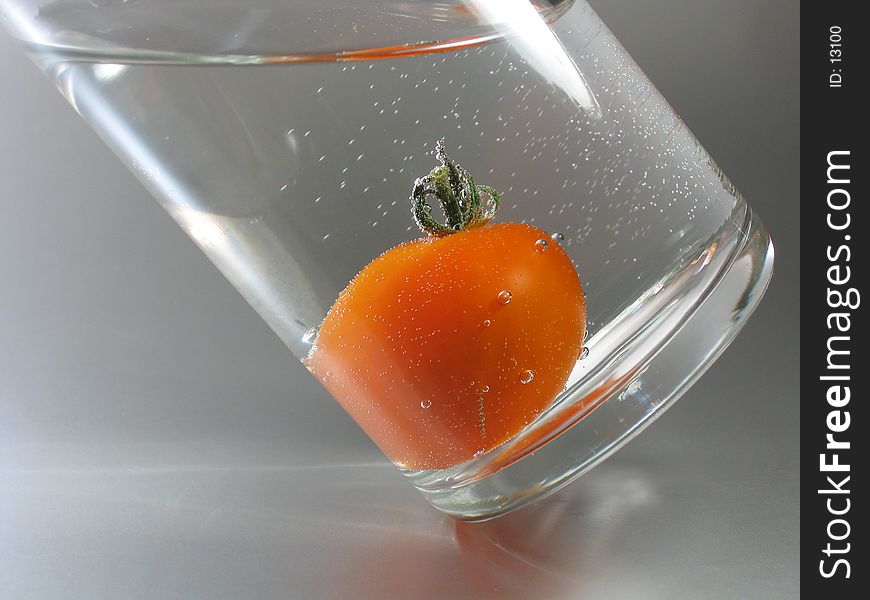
476 222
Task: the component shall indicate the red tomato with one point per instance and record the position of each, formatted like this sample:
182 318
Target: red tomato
445 347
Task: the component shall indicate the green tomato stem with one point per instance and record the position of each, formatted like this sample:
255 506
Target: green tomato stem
456 193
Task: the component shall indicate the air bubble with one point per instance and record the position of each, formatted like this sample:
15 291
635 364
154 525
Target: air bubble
584 352
504 297
557 237
527 377
309 336
484 389
425 403
487 323
541 246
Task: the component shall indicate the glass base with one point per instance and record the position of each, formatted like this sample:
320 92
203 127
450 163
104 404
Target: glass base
685 324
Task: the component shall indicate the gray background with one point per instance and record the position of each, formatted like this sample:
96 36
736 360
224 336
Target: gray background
157 440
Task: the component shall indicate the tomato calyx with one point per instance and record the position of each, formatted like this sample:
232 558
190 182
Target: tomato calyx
461 200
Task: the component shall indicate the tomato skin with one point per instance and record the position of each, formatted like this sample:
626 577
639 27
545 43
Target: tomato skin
423 352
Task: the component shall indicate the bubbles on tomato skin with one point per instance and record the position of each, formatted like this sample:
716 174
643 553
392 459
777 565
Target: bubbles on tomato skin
487 323
481 417
527 376
504 297
541 246
425 403
584 352
484 389
557 237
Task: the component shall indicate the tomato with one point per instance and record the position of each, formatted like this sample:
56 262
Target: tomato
447 346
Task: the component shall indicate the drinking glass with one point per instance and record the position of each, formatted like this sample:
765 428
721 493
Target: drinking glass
286 136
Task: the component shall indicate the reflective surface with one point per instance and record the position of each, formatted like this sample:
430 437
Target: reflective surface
145 452
631 530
